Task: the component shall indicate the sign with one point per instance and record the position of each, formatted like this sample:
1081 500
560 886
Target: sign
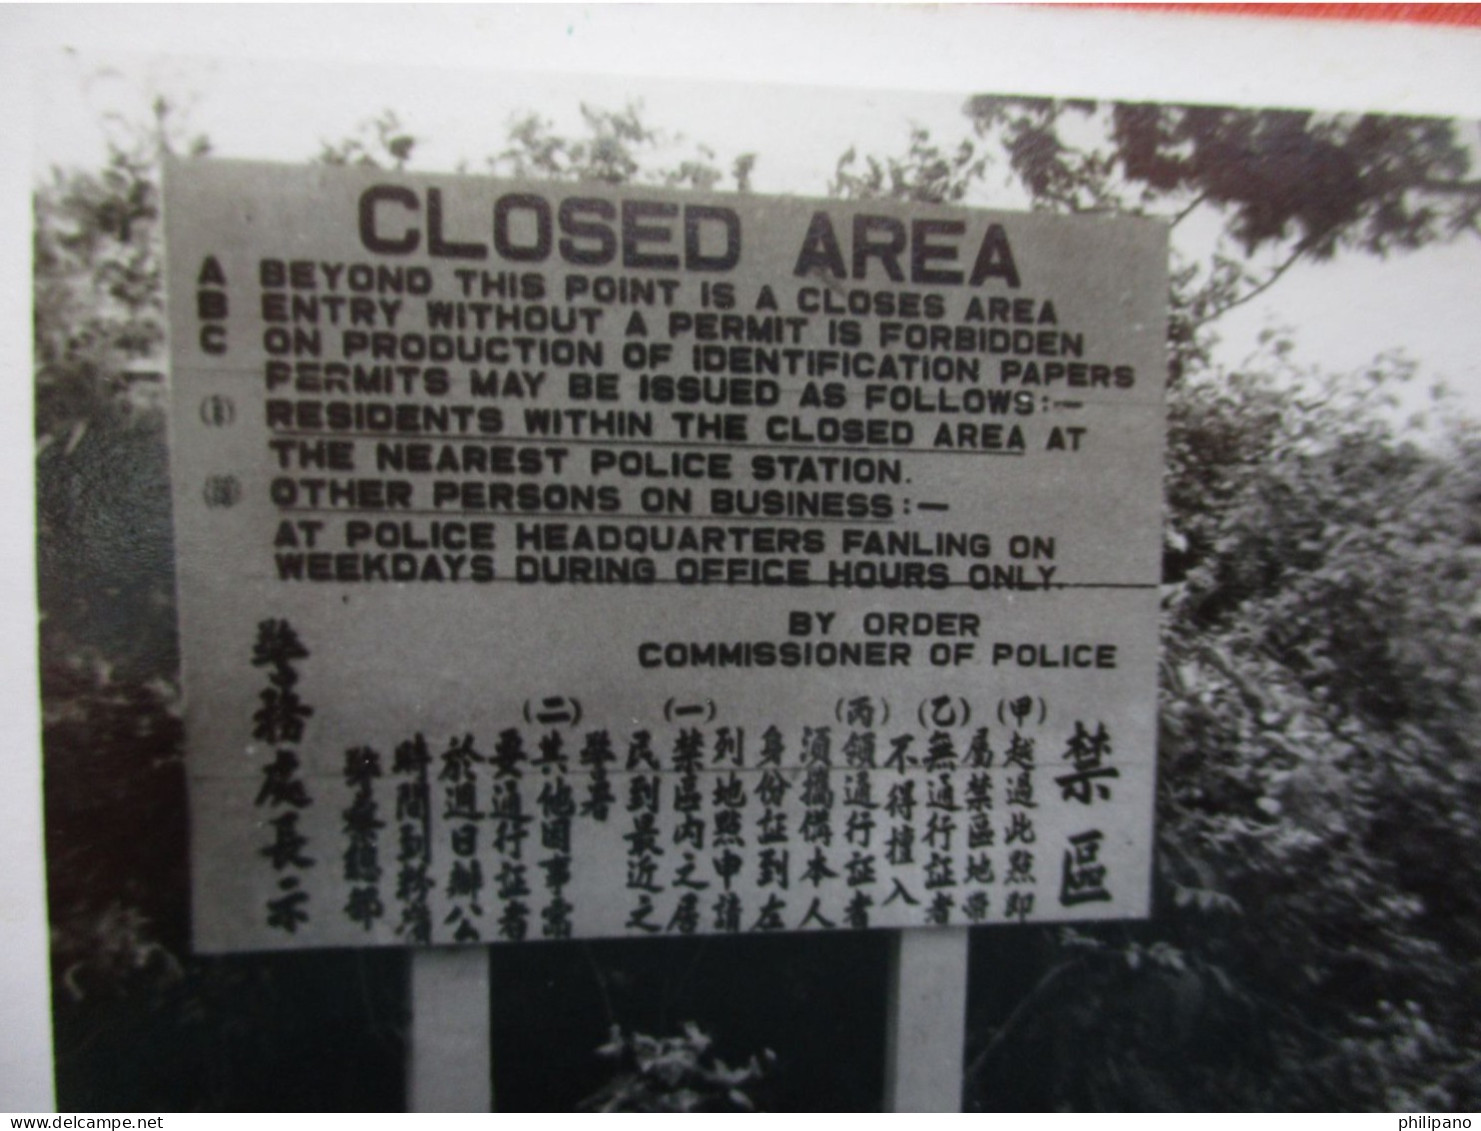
571 561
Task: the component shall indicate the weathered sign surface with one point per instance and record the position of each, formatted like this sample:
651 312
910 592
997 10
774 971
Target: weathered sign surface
561 561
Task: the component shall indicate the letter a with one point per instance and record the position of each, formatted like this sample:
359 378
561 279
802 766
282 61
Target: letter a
211 274
995 258
820 249
636 327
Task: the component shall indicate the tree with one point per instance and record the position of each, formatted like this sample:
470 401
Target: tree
104 546
1295 185
1317 916
114 787
377 143
617 148
1320 695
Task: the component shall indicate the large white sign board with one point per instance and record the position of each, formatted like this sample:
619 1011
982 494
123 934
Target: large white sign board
562 561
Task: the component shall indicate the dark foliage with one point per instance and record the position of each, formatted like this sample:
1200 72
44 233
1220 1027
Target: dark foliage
1317 915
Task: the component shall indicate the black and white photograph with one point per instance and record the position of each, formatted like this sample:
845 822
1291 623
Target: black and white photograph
580 588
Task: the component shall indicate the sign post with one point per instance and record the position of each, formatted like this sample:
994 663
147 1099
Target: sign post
562 561
926 1018
450 1058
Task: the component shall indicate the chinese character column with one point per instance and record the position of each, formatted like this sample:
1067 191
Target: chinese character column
362 826
507 812
557 808
460 809
280 721
414 850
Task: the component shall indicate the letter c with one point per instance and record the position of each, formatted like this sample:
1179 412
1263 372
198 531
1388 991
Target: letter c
370 237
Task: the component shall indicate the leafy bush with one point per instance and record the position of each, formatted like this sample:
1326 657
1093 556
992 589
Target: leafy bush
1318 886
674 1074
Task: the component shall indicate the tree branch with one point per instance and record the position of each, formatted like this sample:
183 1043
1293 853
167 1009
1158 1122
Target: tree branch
1183 215
1257 291
601 980
1450 188
1024 1007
